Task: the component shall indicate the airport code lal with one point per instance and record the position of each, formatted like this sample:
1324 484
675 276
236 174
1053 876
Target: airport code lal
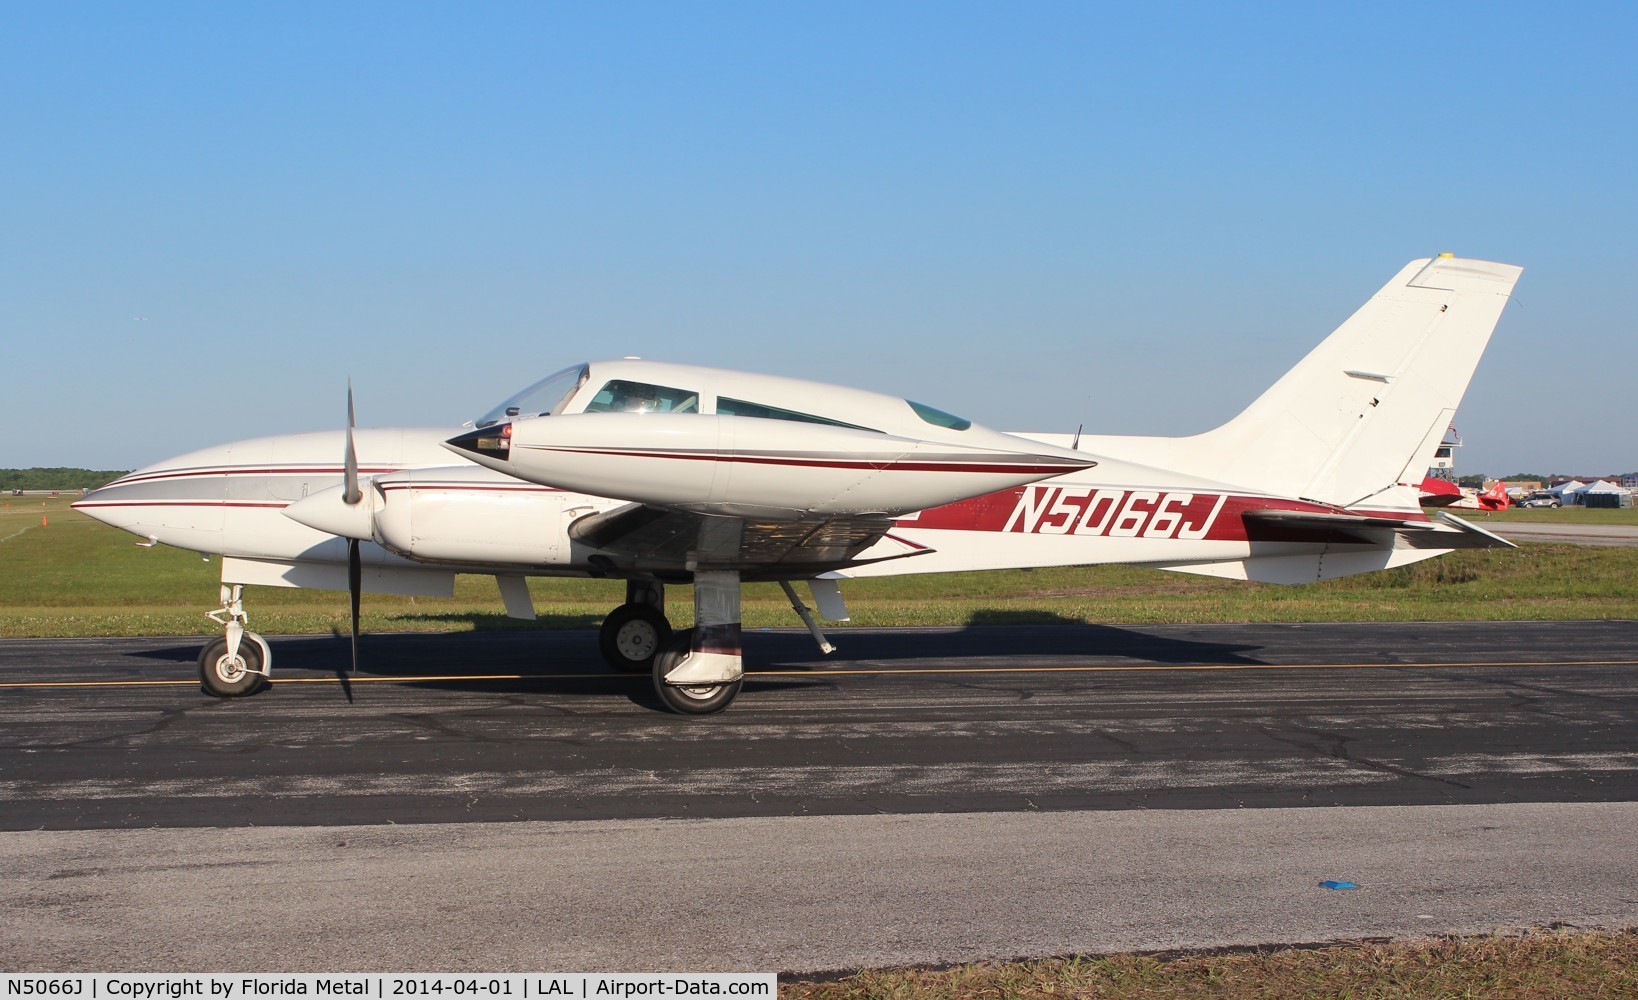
517 986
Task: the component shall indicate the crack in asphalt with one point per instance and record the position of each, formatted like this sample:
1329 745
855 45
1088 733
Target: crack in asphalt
1338 750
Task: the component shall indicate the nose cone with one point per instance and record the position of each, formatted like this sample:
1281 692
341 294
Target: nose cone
100 493
329 512
101 504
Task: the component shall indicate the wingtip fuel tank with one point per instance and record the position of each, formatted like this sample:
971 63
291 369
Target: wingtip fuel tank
753 467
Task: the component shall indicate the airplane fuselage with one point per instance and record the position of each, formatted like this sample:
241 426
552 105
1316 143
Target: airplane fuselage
443 516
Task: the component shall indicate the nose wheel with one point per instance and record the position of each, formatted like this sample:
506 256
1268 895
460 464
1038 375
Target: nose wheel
237 674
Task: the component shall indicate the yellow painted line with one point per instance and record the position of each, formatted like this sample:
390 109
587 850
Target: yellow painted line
325 680
1142 667
863 672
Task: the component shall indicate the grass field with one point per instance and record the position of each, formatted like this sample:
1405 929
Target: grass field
1584 966
1563 515
74 576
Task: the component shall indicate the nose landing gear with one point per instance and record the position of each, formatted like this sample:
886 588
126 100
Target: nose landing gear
237 664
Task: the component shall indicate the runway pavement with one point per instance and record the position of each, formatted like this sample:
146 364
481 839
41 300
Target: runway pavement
1573 534
938 795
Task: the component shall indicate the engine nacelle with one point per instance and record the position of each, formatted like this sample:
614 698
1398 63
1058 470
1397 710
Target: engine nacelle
461 515
466 516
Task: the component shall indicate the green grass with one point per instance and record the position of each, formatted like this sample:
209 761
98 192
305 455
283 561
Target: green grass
1550 515
74 576
1583 965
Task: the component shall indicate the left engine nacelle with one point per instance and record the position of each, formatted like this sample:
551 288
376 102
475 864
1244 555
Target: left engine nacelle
431 516
464 515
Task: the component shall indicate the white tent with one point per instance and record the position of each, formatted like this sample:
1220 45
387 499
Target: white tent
1569 492
1605 494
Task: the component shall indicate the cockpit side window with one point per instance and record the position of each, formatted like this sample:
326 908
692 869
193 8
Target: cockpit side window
744 408
620 396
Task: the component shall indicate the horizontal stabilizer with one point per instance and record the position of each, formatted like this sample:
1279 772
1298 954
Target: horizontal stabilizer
1491 540
1447 532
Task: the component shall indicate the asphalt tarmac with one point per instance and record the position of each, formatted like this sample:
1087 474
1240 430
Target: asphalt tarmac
937 795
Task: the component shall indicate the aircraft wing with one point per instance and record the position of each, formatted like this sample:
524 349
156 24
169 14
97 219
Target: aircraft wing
640 535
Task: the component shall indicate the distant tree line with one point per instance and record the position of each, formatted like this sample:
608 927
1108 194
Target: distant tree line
1517 477
56 479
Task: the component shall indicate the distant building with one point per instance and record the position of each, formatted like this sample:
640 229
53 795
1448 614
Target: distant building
1444 459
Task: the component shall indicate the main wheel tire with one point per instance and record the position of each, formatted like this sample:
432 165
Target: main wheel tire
632 635
222 676
701 699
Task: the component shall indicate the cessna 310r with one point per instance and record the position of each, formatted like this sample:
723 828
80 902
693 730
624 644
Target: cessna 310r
663 474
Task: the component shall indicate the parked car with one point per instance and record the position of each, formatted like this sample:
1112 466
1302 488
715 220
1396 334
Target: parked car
1541 502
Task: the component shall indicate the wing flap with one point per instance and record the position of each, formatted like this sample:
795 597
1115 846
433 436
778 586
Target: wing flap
654 536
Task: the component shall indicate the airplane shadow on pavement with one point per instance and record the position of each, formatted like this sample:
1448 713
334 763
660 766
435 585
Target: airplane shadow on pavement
567 662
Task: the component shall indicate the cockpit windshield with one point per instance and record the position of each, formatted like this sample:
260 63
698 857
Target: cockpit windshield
544 397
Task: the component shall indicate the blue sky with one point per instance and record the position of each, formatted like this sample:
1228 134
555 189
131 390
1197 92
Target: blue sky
1037 215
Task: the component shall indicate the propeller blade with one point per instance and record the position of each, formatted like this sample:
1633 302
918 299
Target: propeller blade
355 577
352 494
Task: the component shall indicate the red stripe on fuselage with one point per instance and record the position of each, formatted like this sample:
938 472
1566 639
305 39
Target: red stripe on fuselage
235 470
1076 510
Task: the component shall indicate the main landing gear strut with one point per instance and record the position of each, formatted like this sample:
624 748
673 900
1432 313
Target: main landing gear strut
237 663
698 671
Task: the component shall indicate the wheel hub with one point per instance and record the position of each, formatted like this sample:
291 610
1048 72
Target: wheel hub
636 640
230 668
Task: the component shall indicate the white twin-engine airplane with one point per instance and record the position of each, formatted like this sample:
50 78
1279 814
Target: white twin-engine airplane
664 474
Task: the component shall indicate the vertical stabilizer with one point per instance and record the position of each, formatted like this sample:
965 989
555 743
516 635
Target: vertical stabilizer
1365 409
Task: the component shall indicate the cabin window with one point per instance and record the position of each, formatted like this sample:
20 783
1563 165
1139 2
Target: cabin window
620 396
743 408
938 418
